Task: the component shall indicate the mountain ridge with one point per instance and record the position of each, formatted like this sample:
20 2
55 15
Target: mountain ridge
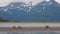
43 11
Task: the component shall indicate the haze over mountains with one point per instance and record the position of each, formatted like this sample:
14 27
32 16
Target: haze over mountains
20 11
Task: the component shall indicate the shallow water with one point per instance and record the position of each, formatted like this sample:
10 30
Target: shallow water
31 32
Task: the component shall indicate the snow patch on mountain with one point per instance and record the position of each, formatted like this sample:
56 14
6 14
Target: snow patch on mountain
6 10
50 3
43 8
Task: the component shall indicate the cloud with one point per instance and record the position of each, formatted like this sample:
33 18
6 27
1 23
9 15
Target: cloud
34 2
6 2
58 1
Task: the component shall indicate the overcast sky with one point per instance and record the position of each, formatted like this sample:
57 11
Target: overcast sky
6 2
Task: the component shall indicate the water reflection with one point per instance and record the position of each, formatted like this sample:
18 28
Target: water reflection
30 32
12 32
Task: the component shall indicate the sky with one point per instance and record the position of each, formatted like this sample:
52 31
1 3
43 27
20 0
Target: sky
6 2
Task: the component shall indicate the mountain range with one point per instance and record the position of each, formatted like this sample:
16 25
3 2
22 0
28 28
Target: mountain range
20 11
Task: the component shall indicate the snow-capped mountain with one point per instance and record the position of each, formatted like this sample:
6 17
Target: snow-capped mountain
15 5
14 11
20 11
46 11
